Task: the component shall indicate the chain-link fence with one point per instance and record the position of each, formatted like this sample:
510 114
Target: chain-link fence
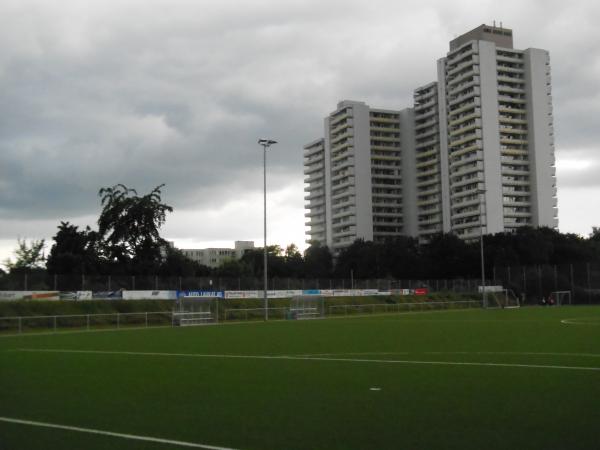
42 282
529 283
533 283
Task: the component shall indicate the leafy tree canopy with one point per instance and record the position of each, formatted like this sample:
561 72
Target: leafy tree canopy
129 225
27 256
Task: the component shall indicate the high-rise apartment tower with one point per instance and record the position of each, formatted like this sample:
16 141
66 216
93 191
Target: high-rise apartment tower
475 154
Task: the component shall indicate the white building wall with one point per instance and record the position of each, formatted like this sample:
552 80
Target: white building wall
541 138
328 207
444 164
362 172
409 173
493 218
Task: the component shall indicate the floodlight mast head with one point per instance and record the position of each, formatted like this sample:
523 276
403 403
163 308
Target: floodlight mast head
266 142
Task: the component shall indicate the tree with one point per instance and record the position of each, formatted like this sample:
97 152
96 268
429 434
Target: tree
129 227
74 251
294 262
175 263
318 261
254 260
28 256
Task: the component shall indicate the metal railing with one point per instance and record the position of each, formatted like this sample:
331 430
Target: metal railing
83 322
400 307
253 313
21 324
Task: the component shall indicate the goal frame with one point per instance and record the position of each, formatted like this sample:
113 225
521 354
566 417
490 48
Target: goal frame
558 296
304 307
506 297
198 309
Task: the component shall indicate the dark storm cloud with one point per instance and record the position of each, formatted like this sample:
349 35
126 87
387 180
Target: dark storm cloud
143 93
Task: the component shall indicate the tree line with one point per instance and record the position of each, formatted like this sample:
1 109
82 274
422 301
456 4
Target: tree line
128 242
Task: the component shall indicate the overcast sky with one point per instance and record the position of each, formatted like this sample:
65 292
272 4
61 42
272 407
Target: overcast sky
95 93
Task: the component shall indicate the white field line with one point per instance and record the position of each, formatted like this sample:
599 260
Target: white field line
585 355
84 331
314 358
112 434
580 321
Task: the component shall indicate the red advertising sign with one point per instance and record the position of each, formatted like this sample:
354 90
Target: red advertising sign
421 291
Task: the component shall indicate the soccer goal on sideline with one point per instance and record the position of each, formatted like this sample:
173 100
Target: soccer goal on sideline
195 309
306 307
502 298
560 298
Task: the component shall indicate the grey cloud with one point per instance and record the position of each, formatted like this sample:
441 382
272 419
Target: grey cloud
97 93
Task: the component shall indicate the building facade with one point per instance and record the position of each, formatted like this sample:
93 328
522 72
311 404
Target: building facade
500 137
474 155
214 257
354 176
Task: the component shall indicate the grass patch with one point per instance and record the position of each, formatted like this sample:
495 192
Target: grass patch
507 396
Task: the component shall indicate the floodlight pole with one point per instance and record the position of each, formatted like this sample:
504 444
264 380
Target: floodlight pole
266 143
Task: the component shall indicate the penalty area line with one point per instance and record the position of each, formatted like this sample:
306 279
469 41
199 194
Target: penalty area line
314 358
111 434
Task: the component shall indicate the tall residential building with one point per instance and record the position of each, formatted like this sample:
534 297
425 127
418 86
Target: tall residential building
475 154
500 137
354 180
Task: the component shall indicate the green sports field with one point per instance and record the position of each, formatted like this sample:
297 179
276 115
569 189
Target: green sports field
524 378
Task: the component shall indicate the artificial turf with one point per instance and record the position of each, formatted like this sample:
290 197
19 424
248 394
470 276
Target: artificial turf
341 388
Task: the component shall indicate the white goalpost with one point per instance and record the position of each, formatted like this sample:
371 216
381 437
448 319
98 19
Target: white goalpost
306 307
503 298
196 309
560 298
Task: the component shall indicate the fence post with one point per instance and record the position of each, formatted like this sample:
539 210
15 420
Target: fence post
20 325
572 281
54 324
589 283
87 321
539 274
524 281
146 319
118 320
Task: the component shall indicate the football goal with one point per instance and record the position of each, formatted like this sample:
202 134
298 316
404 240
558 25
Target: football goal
560 298
193 309
306 307
503 298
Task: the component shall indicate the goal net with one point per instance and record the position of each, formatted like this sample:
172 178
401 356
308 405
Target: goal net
191 309
560 298
306 307
503 298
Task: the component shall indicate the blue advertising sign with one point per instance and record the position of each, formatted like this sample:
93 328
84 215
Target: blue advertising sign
311 292
201 294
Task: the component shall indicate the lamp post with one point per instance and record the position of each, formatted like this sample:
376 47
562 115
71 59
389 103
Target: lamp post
481 214
266 143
